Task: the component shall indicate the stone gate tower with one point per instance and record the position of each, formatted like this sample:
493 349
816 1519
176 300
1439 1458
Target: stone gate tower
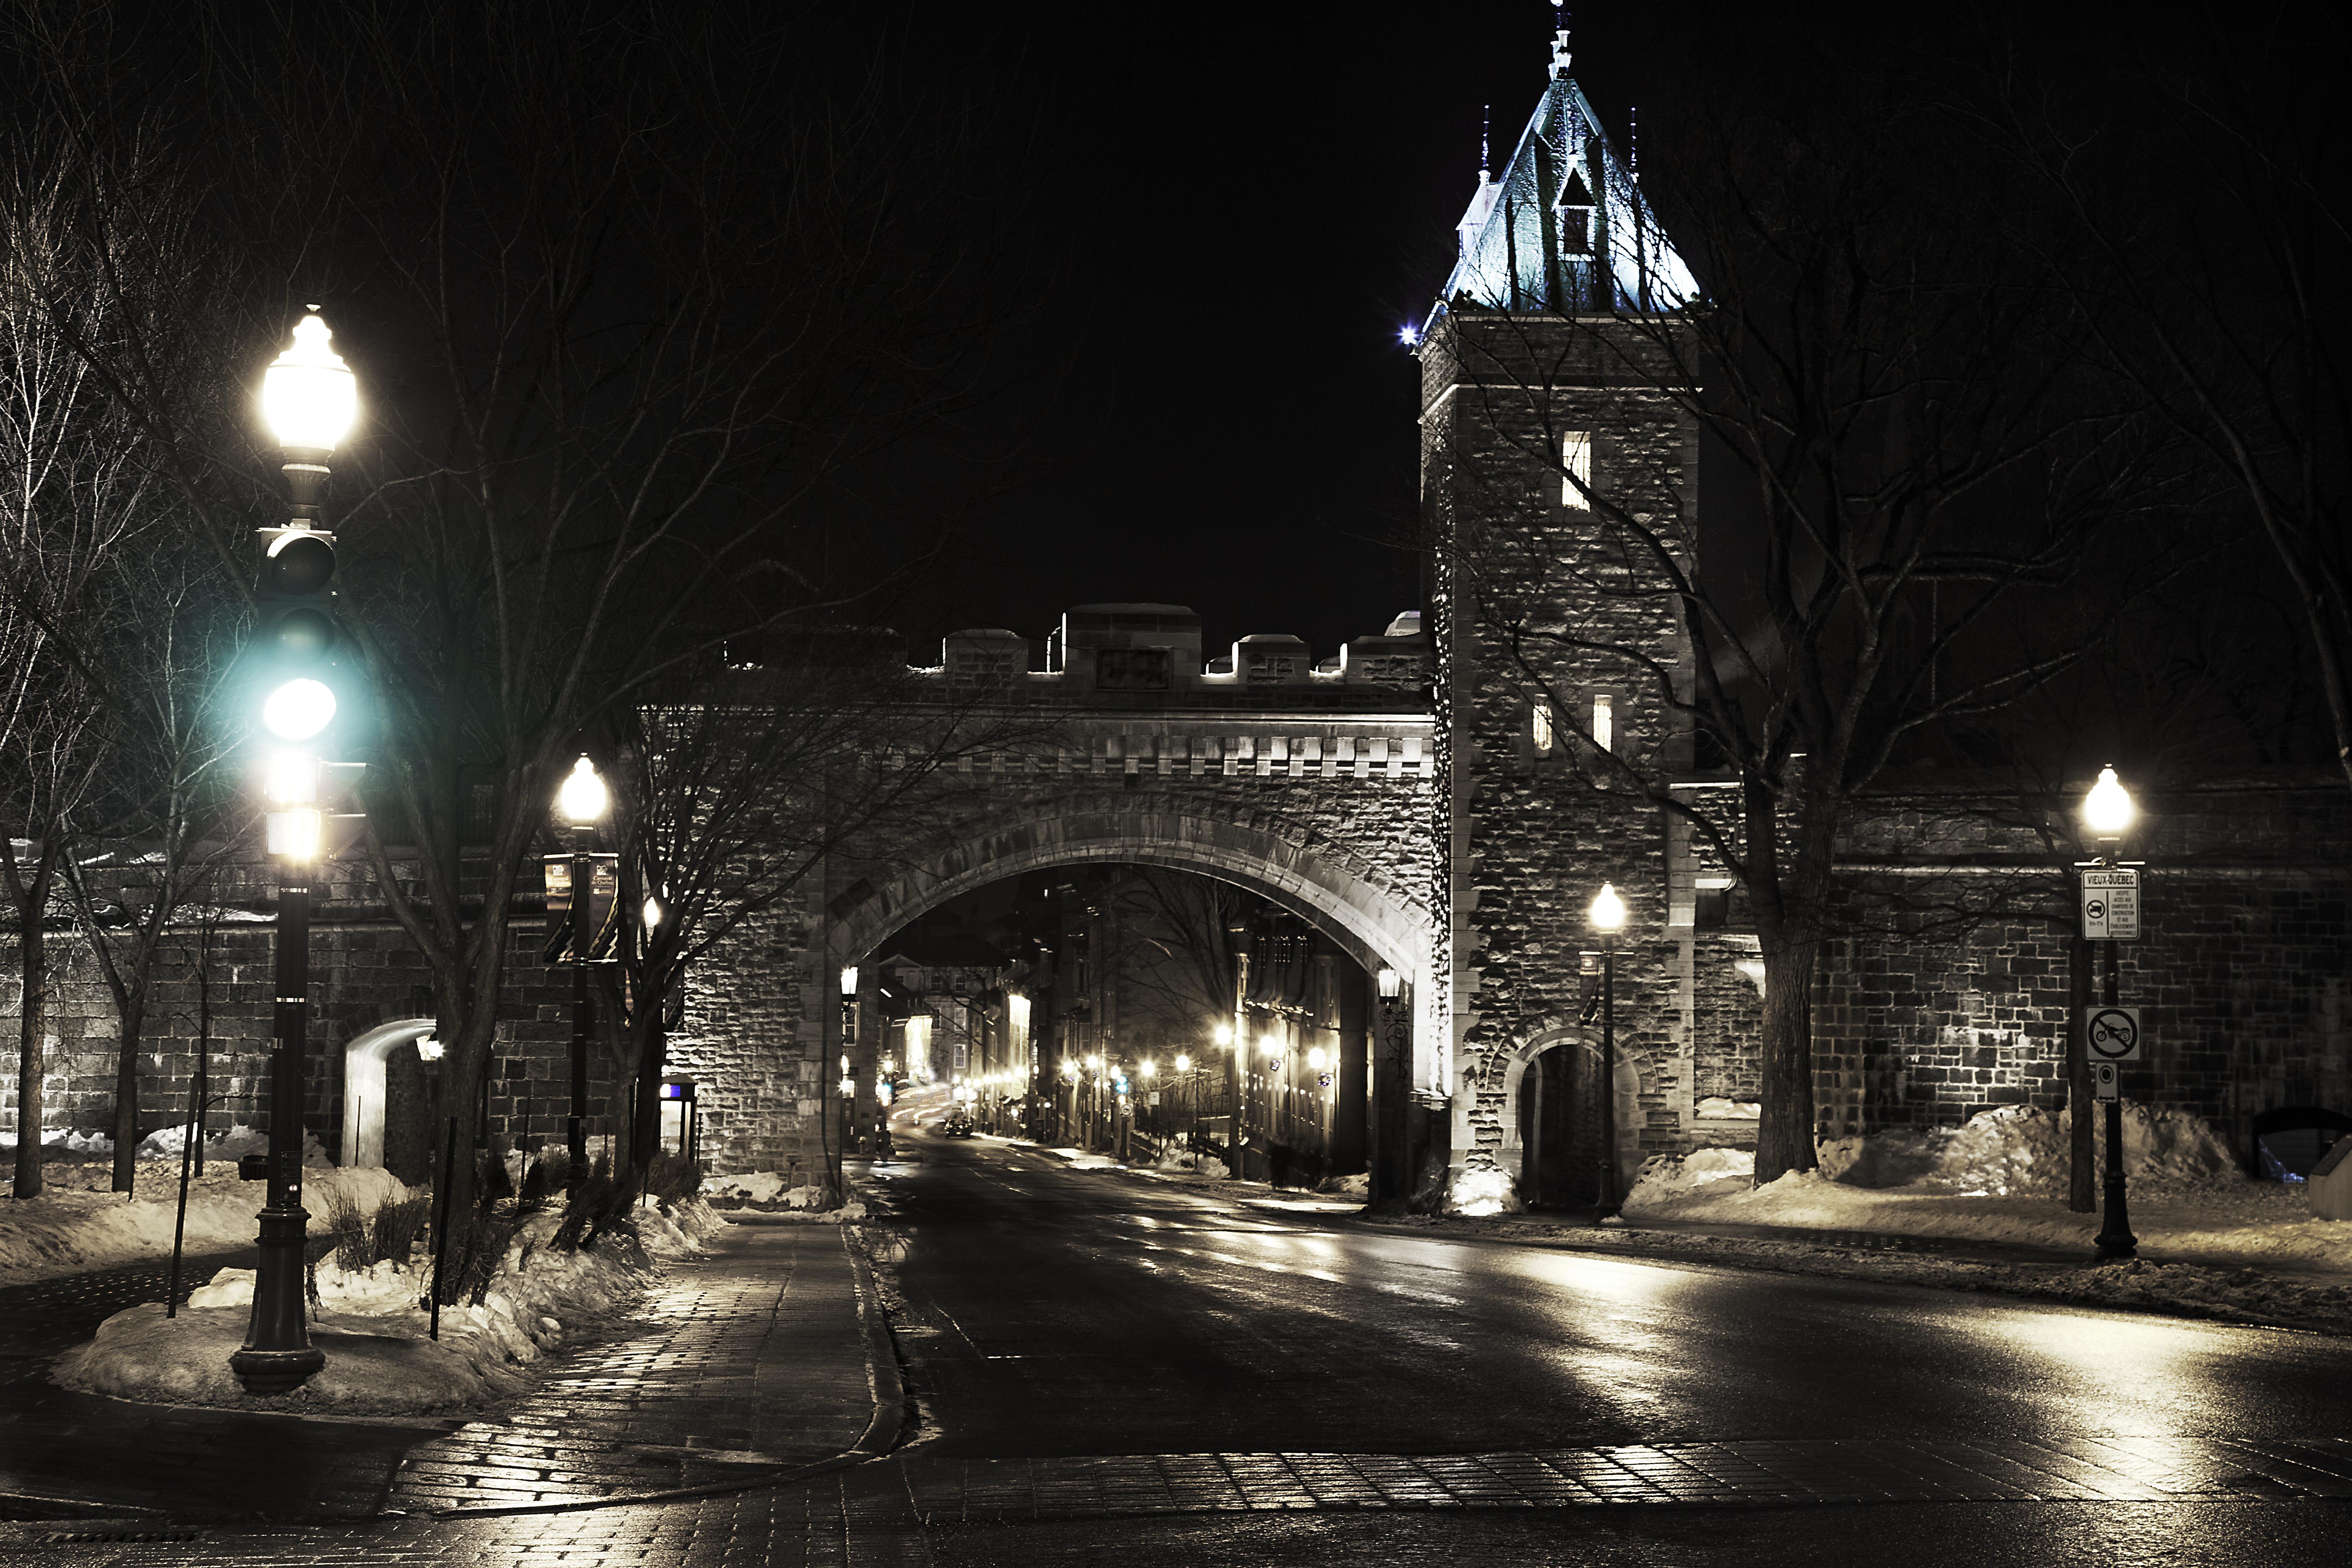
1559 485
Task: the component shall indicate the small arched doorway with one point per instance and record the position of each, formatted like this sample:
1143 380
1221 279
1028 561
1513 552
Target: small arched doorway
388 1099
1559 1167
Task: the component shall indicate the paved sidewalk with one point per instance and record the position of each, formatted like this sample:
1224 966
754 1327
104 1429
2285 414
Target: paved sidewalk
745 1363
744 1366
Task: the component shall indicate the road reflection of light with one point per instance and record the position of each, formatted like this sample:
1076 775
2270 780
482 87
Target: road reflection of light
1323 1274
2116 1372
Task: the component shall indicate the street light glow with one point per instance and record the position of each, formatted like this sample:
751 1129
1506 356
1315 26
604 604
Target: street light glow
299 709
1224 1034
294 833
1390 983
582 799
653 913
290 778
1271 1044
2108 808
309 395
1183 1062
1316 1059
1608 910
1149 1067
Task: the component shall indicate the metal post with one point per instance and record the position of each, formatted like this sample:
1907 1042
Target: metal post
576 1126
1608 1189
2115 1241
278 1356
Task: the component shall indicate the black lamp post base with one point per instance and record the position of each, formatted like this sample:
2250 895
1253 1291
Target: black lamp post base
278 1356
276 1372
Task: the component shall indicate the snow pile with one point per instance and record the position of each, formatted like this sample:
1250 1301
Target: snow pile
765 1190
166 1143
373 1326
1357 1186
2023 1149
68 1229
1715 1108
1181 1158
1482 1190
2002 1178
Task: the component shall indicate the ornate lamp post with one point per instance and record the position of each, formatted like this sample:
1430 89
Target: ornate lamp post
2108 812
581 801
309 399
1392 1179
1608 919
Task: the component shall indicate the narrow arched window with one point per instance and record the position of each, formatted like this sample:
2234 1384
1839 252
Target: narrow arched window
1576 470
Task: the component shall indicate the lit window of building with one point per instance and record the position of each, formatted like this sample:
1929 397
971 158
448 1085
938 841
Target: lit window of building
1604 725
1576 469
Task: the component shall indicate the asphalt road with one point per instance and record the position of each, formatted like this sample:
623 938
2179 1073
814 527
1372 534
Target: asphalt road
1046 1310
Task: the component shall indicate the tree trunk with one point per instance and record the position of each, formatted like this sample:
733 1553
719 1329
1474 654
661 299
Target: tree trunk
2082 1174
1784 1132
32 1021
132 1015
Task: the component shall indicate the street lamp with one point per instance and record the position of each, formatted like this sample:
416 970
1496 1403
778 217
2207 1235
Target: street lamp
309 398
1608 919
2108 812
581 801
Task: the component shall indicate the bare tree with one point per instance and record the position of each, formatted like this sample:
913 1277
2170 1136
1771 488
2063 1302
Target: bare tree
2227 314
633 297
74 496
165 816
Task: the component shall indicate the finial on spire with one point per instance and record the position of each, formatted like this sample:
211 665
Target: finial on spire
1485 134
1559 55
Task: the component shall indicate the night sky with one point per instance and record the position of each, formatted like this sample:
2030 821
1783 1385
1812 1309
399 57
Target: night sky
1228 211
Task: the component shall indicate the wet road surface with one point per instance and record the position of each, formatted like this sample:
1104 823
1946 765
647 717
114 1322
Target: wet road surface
1051 1310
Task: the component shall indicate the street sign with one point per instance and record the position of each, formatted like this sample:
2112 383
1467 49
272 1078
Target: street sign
2104 1081
2111 905
2111 1034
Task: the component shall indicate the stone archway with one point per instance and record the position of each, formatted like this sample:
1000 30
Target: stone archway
1338 887
369 1085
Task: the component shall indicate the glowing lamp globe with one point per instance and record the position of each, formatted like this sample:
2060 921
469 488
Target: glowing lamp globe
1149 1068
1608 910
652 912
309 395
2108 810
1183 1062
299 709
849 981
1390 983
1224 1034
582 798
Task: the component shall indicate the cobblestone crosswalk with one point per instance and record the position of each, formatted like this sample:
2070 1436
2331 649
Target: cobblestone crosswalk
884 1512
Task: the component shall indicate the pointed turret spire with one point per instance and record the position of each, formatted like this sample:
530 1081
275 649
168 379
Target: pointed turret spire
1634 142
1559 55
1485 134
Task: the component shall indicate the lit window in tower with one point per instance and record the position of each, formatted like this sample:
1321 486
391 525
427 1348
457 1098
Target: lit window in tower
1604 724
1576 470
1539 726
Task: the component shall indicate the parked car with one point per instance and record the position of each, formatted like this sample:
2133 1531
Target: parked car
956 1123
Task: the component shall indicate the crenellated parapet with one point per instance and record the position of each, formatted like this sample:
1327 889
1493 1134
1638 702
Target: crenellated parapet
1153 657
